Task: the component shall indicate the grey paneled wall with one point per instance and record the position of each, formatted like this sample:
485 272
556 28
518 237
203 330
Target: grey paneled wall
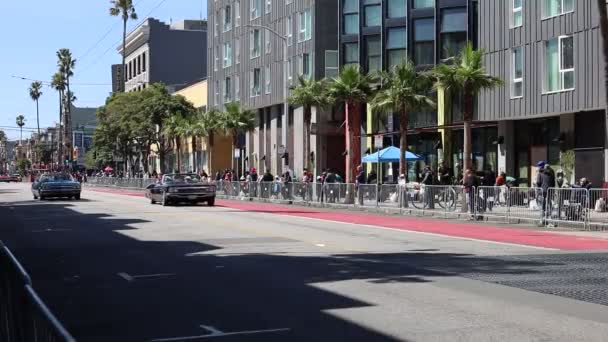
497 38
277 21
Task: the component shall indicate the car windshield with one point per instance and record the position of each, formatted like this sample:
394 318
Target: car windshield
181 179
56 178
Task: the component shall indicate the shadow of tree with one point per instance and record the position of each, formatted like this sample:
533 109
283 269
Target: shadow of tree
76 272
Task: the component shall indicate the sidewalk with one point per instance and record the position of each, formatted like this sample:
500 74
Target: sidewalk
568 241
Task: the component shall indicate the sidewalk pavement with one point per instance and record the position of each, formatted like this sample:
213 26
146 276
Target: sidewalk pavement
569 241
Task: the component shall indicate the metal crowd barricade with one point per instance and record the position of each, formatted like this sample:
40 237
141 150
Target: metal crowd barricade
598 215
493 201
301 191
569 206
339 193
367 195
389 195
23 315
525 204
428 199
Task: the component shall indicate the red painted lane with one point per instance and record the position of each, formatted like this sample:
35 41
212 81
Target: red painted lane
448 228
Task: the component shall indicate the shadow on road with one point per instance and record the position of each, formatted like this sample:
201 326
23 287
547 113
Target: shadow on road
91 270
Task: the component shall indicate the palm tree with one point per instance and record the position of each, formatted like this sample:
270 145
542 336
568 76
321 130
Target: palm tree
468 76
353 88
126 10
66 65
35 93
176 128
20 120
235 121
404 90
207 124
308 94
58 83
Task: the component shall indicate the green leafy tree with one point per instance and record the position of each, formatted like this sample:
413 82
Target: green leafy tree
309 94
20 121
23 165
404 90
66 65
35 93
178 127
235 121
207 124
353 88
44 153
126 10
58 83
468 76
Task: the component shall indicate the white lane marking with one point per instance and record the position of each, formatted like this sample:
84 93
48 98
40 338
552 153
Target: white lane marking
130 278
50 230
320 245
217 333
125 276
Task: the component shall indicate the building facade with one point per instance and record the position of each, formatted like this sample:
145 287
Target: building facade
548 52
174 54
379 34
256 47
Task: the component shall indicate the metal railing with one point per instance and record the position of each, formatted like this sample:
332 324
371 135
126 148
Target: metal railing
558 206
23 315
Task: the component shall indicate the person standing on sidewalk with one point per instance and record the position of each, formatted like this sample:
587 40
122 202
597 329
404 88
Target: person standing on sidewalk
358 182
470 184
545 179
429 196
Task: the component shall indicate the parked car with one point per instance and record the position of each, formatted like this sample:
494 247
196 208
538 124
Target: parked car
176 187
56 185
5 179
12 178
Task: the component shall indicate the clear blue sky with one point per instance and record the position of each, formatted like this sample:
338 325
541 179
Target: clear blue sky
33 30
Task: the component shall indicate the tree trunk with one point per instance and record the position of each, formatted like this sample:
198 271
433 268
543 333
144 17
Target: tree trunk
194 166
353 140
178 155
468 118
403 143
601 4
307 124
210 143
124 52
161 157
60 135
234 162
68 120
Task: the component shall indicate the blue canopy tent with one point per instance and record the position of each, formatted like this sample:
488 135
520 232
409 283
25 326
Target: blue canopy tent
389 155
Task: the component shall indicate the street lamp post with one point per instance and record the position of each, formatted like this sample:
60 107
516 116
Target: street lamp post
284 39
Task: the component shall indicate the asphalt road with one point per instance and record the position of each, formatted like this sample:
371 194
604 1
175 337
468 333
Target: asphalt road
115 268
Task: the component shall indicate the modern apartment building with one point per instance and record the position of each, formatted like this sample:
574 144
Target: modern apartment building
548 52
249 64
174 54
378 34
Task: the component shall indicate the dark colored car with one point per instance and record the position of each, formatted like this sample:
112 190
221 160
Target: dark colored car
176 187
56 185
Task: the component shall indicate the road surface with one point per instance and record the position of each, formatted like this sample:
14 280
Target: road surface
113 267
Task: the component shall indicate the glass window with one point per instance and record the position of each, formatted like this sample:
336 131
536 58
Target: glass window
396 44
143 62
255 82
305 66
331 63
289 30
453 20
517 13
255 43
351 53
268 6
227 55
424 3
517 73
237 13
304 25
424 41
237 50
350 17
227 89
227 18
553 8
397 8
374 54
267 41
373 13
559 64
237 87
256 8
267 80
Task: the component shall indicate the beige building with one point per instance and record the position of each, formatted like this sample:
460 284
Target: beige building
196 154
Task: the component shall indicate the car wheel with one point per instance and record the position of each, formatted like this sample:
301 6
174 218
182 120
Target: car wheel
152 201
41 198
165 201
35 197
77 197
211 202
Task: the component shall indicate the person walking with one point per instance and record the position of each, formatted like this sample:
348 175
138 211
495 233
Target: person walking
427 181
470 184
287 182
359 181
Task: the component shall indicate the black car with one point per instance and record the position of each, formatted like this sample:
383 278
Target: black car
56 185
176 187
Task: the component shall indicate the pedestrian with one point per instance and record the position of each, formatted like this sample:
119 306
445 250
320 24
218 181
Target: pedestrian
427 182
501 180
330 188
470 184
359 181
545 179
487 195
287 188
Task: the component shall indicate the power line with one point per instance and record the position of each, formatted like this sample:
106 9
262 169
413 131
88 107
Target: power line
49 82
160 3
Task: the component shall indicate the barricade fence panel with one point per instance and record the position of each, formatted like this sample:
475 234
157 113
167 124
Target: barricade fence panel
493 201
598 215
525 204
565 205
367 195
